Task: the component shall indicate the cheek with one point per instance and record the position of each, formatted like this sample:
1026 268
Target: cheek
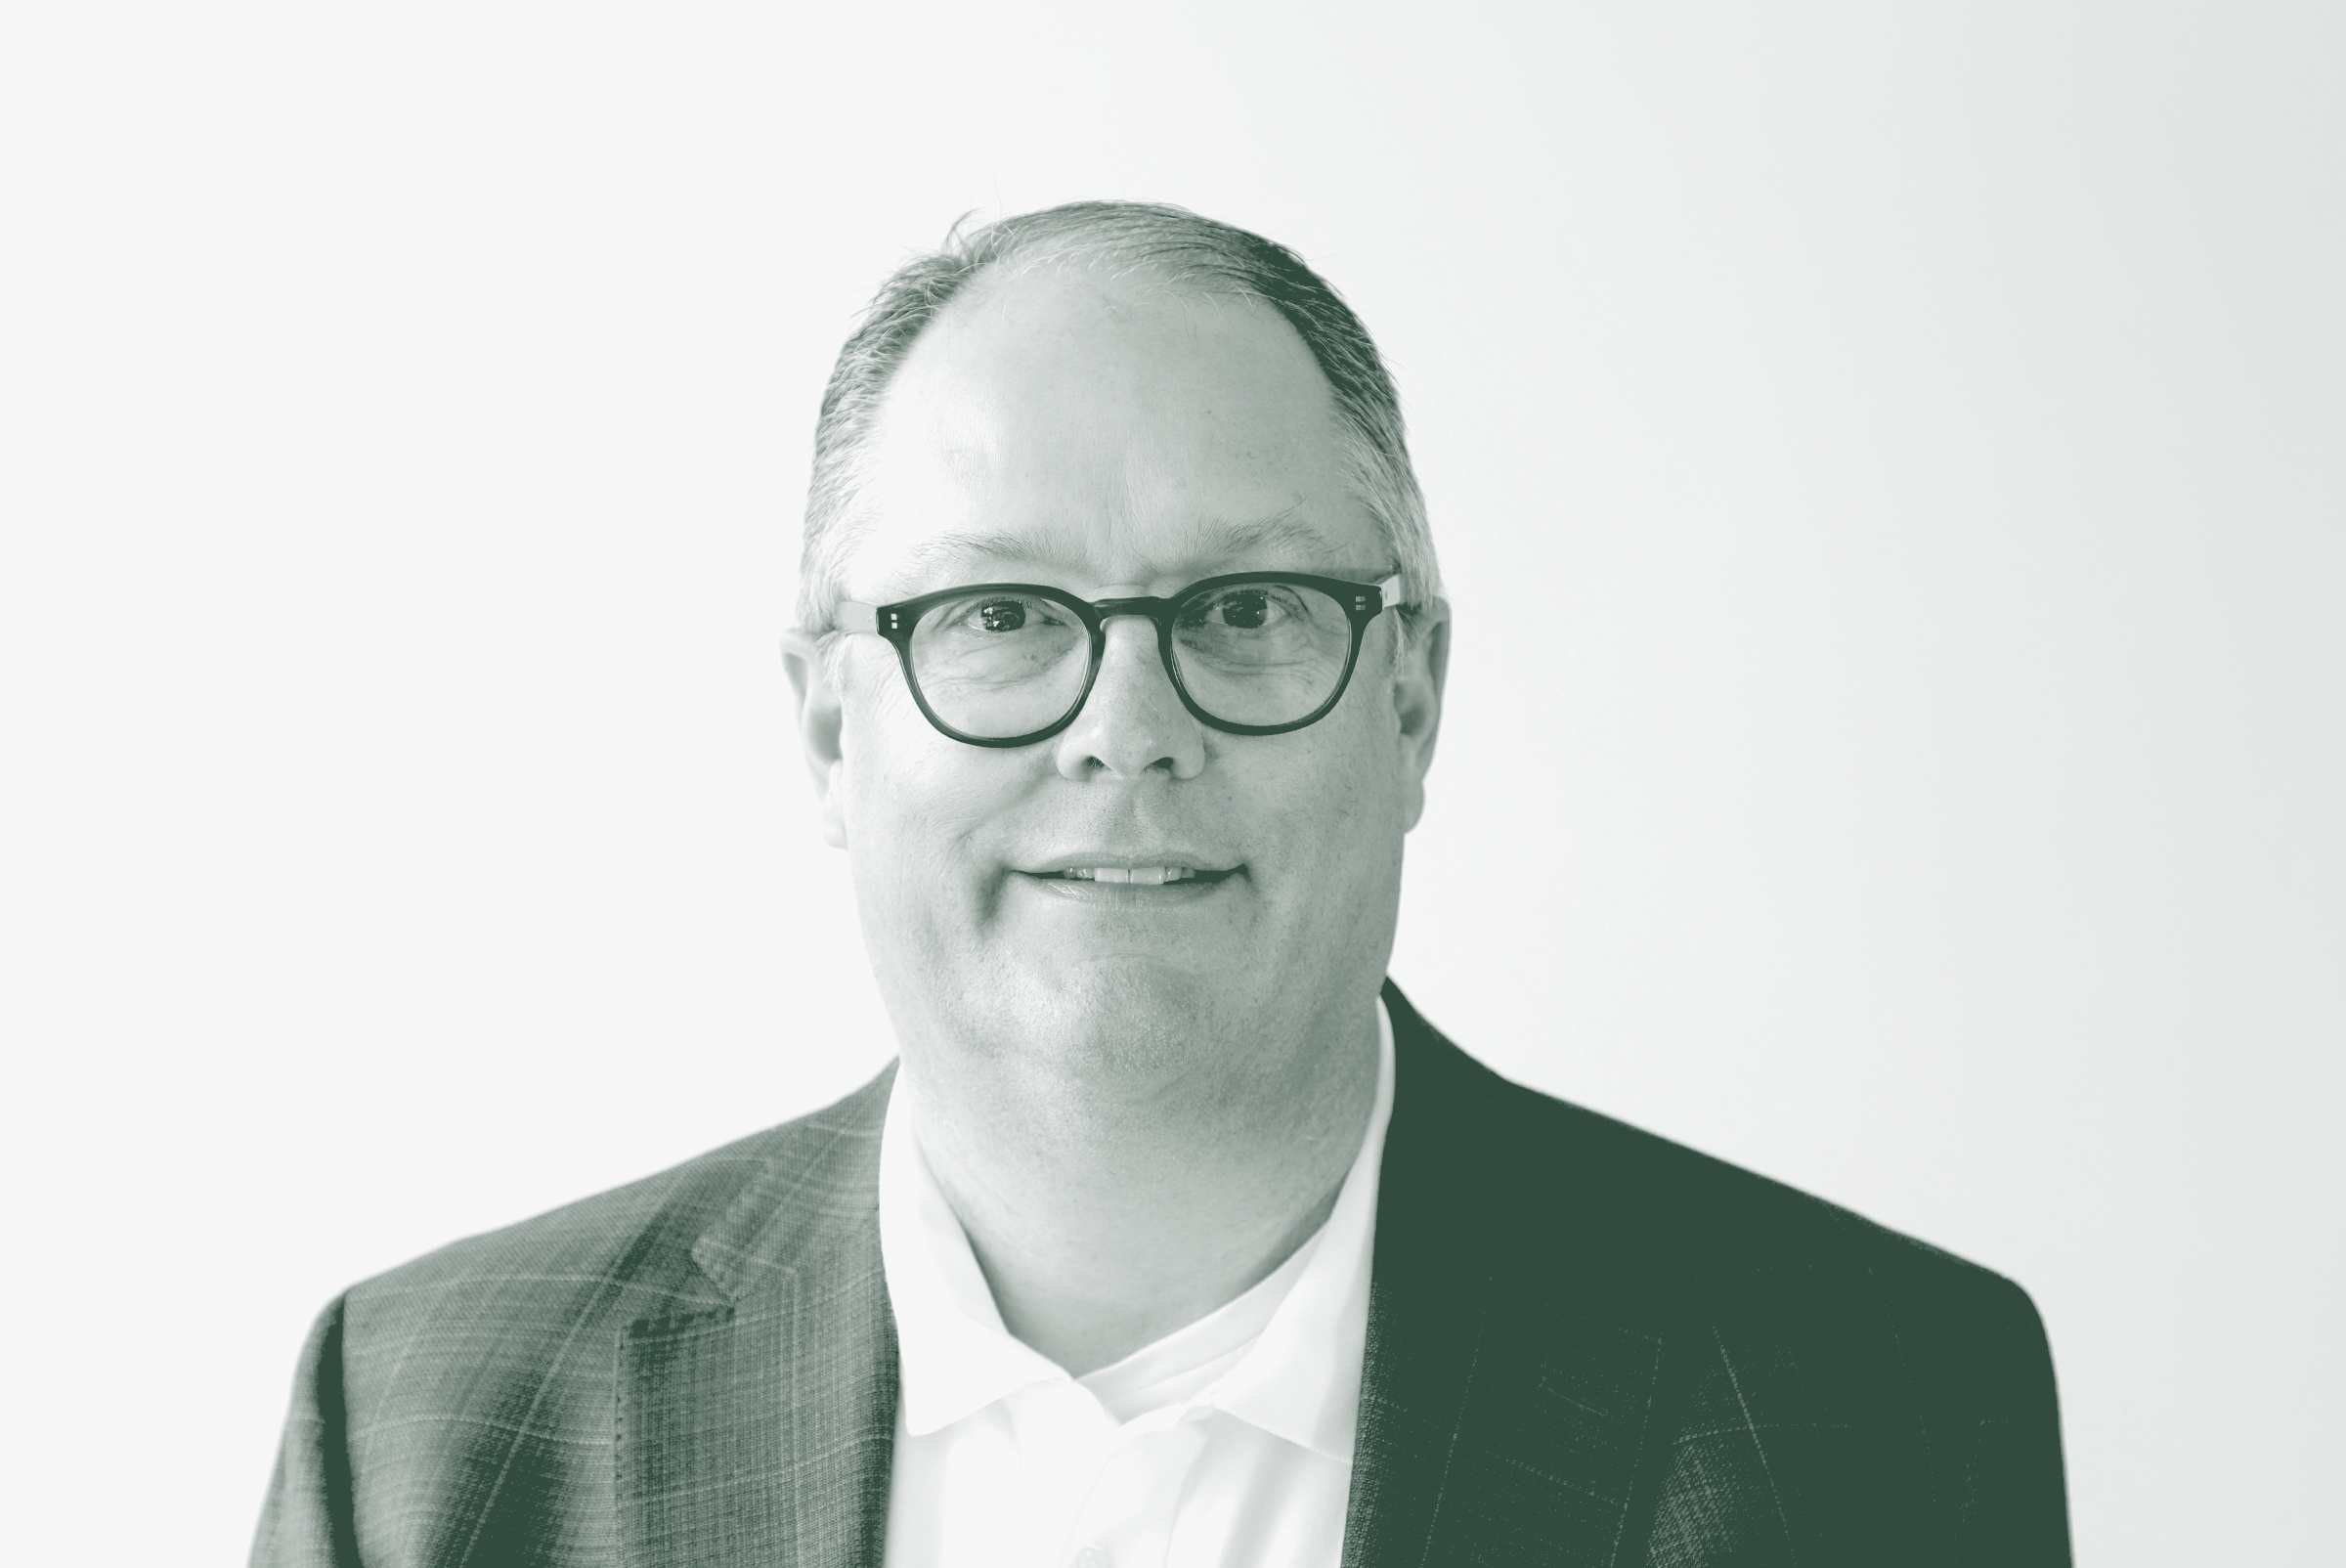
1335 801
914 802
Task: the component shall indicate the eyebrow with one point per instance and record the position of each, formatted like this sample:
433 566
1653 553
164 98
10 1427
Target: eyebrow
945 547
1281 531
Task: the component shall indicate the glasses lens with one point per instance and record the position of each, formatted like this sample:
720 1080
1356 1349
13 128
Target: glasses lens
1000 665
1261 653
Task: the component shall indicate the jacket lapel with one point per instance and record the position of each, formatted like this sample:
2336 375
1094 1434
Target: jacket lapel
760 1432
1506 1408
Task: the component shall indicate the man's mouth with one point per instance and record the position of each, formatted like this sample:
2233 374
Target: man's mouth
1144 876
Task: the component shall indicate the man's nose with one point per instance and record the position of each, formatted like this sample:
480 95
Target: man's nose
1134 719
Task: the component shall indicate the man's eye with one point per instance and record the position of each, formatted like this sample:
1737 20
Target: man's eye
1246 611
1003 615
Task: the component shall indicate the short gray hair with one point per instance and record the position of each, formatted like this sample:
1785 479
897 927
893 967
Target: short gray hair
1181 249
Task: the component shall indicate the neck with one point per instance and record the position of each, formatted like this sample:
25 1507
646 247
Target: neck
1106 1214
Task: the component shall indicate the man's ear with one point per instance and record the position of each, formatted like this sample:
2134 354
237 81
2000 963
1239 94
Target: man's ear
1420 666
819 722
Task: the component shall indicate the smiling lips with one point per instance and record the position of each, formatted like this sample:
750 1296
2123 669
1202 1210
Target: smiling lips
1167 873
1147 876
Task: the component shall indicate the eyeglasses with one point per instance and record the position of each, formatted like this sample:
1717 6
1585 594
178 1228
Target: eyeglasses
1009 663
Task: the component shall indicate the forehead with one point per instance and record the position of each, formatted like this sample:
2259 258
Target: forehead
1104 432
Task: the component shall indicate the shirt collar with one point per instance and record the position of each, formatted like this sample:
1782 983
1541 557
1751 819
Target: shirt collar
1300 1381
955 1356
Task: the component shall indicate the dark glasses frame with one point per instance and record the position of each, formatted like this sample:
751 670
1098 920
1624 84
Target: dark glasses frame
1361 602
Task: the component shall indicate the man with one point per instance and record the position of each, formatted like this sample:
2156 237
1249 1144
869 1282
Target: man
1176 1236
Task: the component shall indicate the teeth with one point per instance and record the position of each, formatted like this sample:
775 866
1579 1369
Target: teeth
1148 876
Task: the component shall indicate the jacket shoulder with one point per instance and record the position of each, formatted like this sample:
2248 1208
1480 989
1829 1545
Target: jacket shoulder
1744 1218
1892 1391
628 1251
1583 1182
497 1356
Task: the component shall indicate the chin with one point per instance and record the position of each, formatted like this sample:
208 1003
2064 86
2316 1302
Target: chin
1133 1015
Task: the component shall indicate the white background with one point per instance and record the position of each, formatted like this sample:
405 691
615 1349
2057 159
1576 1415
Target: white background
1889 463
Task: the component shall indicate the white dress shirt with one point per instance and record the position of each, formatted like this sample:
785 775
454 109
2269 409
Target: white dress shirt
1225 1443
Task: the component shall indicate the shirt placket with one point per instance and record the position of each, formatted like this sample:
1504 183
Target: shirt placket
1127 1515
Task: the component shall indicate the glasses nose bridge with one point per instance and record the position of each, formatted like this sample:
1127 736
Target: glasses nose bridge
1158 612
1148 609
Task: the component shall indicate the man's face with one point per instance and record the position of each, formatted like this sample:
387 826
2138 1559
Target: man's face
1117 437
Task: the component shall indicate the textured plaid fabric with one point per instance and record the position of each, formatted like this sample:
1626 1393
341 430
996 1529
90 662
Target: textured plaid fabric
696 1369
1585 1345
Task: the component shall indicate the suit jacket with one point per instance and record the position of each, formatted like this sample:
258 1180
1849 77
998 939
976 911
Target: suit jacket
1585 1345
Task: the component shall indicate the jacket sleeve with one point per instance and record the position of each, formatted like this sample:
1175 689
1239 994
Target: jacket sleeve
2015 1508
307 1521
